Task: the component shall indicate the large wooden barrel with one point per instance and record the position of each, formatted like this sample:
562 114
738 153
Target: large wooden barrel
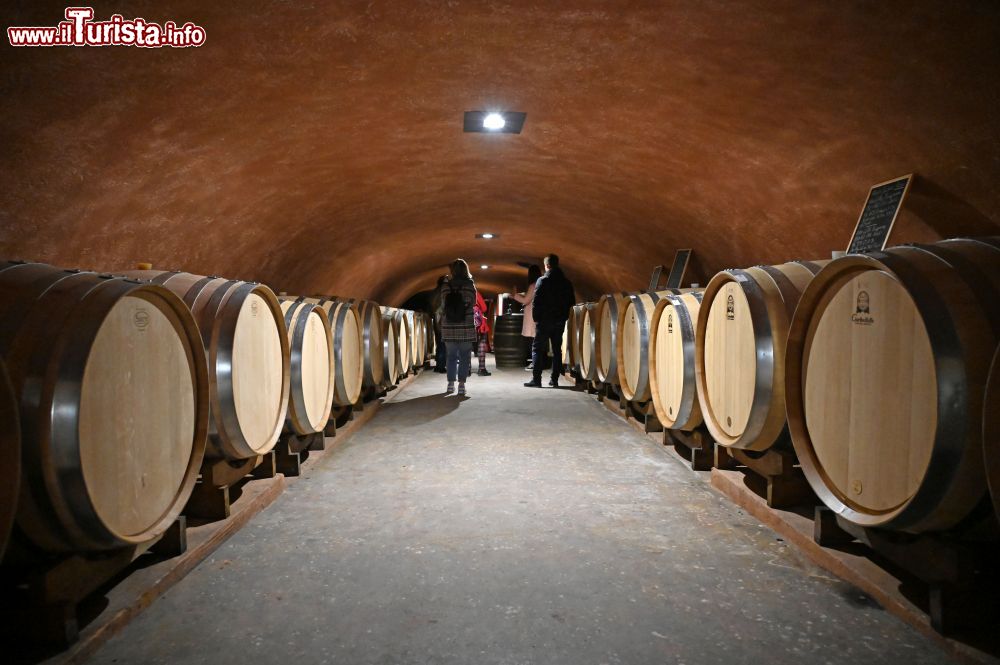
243 330
610 311
10 452
633 344
887 364
112 385
348 348
672 361
311 368
390 349
508 345
588 344
371 342
571 339
991 431
740 352
404 340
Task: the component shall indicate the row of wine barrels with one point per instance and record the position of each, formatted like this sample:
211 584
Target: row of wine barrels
632 348
508 345
740 351
311 369
672 361
588 343
610 311
10 452
113 394
243 331
348 350
888 360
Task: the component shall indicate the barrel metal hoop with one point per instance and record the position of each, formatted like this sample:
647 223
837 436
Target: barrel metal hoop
764 355
689 391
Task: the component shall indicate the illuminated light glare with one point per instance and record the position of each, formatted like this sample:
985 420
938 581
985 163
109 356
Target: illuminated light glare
487 236
484 267
494 121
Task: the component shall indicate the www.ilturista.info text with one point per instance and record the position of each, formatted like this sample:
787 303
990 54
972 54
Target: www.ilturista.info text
79 29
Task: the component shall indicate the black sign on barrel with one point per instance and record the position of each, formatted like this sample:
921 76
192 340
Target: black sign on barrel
879 214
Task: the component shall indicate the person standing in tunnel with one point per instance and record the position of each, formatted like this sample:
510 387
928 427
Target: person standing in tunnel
458 330
528 325
554 297
437 304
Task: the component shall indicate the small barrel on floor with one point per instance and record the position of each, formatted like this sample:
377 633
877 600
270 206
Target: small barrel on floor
508 344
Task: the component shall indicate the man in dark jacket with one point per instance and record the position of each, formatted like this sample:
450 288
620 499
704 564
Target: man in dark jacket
554 297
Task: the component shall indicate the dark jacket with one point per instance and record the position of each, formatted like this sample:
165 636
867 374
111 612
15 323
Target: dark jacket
554 297
465 331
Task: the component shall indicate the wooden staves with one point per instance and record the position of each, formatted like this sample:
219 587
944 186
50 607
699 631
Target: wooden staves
633 344
390 349
243 331
888 360
610 311
10 451
311 368
740 351
672 361
588 343
112 384
348 351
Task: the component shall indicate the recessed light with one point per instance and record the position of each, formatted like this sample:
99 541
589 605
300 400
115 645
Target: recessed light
484 267
494 121
486 236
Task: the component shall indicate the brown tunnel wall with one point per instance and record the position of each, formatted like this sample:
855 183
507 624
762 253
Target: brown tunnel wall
318 146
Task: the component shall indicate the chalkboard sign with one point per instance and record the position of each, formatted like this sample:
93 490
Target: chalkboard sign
879 214
677 270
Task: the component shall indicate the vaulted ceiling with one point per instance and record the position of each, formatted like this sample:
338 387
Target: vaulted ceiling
318 146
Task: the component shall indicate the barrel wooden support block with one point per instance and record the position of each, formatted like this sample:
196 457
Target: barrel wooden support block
888 360
244 335
672 361
10 451
740 351
312 375
113 442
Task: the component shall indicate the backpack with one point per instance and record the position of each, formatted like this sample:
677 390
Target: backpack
454 306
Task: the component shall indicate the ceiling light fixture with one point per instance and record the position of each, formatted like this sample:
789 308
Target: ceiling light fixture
494 121
486 236
484 267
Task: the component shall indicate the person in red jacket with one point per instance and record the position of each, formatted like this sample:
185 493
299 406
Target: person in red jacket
483 330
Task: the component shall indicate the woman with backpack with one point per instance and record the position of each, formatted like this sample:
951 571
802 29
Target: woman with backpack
458 331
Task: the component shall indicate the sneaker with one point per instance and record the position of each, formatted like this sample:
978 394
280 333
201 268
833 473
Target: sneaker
533 384
450 389
461 389
484 372
553 383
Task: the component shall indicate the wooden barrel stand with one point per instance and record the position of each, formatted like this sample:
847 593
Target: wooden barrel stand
220 485
773 474
694 447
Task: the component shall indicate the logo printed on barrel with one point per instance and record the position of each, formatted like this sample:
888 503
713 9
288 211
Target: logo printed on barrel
254 307
862 315
731 307
670 324
140 319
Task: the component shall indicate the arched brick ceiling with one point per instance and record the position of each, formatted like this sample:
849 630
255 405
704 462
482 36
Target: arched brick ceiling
317 146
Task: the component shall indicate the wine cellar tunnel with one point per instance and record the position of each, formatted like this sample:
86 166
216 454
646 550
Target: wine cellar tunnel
318 167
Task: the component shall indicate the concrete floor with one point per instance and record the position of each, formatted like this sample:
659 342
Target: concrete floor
515 526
